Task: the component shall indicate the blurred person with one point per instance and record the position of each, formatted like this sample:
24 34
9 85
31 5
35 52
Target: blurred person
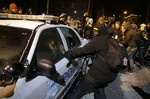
73 23
19 10
55 48
117 31
131 40
84 21
95 32
88 31
85 16
99 28
63 18
3 10
99 74
145 35
69 20
143 30
50 49
148 31
79 27
29 11
135 27
12 8
143 45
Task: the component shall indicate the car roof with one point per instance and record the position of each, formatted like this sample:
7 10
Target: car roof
21 23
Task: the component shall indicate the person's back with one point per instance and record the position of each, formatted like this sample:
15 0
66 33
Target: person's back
99 67
131 40
99 73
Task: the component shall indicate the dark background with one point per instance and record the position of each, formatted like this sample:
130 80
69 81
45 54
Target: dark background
97 7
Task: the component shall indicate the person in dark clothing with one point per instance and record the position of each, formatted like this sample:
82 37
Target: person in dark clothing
99 75
63 18
101 27
117 31
131 40
88 31
143 44
148 31
95 32
86 16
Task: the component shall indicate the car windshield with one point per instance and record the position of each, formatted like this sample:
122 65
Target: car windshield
12 42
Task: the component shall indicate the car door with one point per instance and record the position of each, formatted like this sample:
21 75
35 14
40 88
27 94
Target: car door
58 44
49 46
35 85
68 73
72 38
73 41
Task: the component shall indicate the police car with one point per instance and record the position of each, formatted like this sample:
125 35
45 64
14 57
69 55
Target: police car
32 62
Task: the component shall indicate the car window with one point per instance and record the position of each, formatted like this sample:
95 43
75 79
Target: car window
71 37
12 43
50 46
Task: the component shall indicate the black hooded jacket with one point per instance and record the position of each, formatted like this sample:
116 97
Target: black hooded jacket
99 70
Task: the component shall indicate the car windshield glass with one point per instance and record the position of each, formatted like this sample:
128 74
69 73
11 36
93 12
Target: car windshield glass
12 42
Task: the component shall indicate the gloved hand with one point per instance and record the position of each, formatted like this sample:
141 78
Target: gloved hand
70 58
68 55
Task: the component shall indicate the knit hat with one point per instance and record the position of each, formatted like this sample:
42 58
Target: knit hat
12 6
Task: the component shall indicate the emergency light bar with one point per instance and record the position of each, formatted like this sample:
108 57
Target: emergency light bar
47 18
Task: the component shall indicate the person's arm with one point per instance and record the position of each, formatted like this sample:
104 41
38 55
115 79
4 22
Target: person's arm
126 40
89 48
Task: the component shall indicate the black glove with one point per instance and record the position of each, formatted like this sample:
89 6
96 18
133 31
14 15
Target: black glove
68 55
70 58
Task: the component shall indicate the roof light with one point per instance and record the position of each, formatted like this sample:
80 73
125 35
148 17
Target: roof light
43 17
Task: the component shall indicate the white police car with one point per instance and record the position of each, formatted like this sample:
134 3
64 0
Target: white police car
32 60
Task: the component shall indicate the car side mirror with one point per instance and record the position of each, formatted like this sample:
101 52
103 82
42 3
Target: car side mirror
14 69
47 68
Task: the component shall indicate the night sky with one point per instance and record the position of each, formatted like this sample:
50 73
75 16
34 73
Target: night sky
139 7
110 7
116 6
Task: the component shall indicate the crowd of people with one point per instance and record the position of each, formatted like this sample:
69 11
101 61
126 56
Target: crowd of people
14 9
136 40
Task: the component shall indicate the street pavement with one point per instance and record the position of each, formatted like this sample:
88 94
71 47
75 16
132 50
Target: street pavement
128 86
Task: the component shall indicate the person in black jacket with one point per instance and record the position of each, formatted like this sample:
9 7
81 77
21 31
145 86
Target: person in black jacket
143 44
131 40
98 75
